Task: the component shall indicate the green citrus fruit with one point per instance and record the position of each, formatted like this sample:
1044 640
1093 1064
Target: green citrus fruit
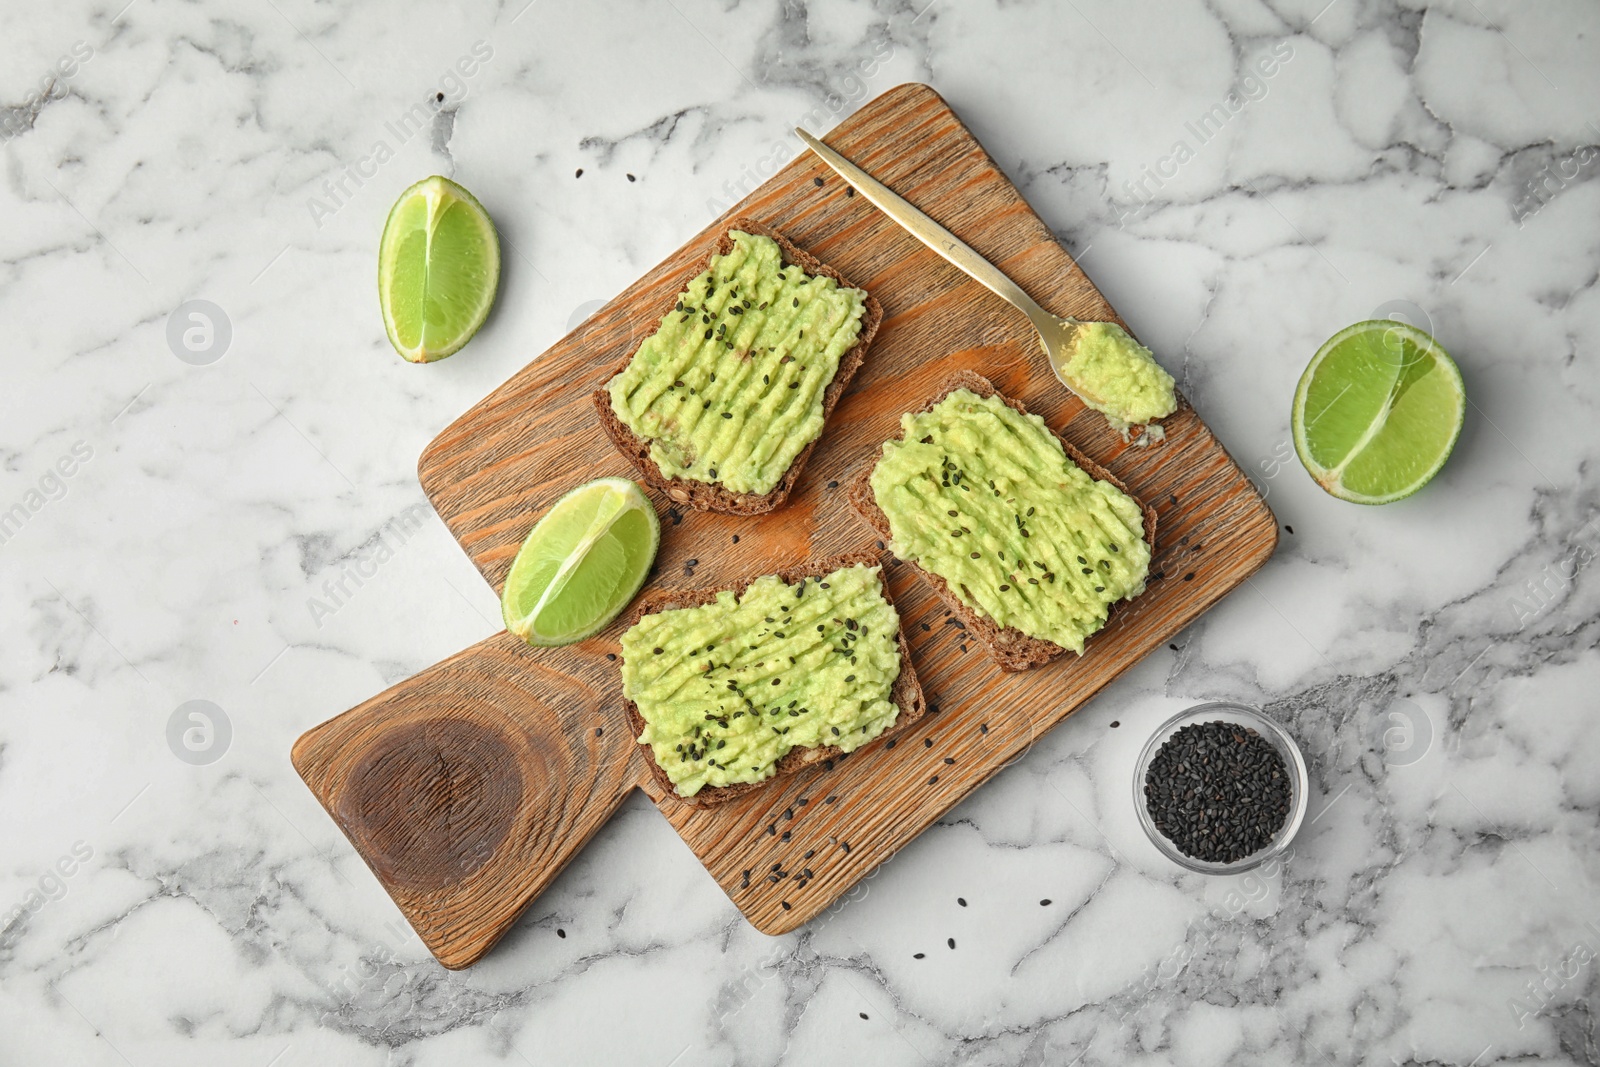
1378 411
581 563
438 269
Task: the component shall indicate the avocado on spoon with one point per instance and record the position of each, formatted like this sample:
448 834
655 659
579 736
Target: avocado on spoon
1109 370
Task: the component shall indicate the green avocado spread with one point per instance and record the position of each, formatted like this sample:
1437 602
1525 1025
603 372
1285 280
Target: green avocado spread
729 389
727 689
1118 376
985 497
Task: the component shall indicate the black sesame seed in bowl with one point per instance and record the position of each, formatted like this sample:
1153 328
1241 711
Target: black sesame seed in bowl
1220 788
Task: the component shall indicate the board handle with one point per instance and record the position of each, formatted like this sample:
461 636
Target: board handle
467 788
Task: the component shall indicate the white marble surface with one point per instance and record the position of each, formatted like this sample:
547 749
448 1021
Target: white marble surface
213 914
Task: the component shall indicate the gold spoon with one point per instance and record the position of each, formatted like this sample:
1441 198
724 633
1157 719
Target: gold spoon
1055 332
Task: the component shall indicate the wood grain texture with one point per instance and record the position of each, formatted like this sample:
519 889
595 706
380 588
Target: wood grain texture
493 471
467 788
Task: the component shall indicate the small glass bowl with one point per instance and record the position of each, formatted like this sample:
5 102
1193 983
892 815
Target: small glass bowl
1243 716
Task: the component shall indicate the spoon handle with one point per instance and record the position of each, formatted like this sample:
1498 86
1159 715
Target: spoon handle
930 233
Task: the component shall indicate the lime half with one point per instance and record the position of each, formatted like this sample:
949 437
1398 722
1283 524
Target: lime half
582 563
1378 411
438 269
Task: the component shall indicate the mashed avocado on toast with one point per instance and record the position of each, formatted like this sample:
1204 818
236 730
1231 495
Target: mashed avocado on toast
1117 376
728 688
729 389
985 497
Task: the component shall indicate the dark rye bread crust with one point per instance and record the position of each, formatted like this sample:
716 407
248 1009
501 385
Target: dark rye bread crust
1012 649
710 496
906 692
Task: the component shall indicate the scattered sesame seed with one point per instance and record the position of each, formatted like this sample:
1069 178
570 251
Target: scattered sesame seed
950 941
1045 903
579 174
560 932
631 178
817 182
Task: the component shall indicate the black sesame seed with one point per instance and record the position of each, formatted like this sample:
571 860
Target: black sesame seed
560 932
950 941
786 904
1218 791
579 174
658 652
962 901
1045 903
631 178
1115 723
817 182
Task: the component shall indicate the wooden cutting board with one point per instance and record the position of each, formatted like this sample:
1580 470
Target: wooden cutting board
467 788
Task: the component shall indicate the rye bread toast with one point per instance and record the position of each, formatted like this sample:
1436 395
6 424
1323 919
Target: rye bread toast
710 496
1010 648
906 693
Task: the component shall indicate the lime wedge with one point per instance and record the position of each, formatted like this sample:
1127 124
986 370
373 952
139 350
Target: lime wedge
582 563
438 268
1378 411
